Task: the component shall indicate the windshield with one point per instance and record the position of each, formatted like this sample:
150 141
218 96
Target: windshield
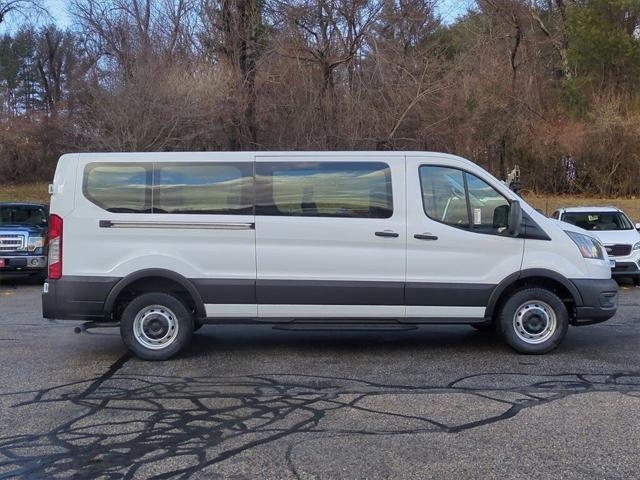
22 215
598 220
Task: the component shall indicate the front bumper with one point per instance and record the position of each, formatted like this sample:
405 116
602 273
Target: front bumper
23 263
599 300
625 268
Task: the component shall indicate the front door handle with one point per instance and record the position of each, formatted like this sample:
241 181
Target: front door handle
425 236
387 233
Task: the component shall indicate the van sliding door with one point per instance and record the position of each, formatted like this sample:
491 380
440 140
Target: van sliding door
330 236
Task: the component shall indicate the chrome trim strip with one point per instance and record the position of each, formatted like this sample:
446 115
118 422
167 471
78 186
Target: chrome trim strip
178 225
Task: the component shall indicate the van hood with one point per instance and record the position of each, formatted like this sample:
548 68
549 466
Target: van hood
570 227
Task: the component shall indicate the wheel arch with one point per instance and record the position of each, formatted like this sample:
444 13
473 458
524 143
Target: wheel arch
533 276
150 274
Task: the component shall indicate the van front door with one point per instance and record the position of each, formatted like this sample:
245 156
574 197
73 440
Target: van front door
458 247
330 236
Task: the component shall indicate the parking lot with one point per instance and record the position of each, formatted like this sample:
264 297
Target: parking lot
253 402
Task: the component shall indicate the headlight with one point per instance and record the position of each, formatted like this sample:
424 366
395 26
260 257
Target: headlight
35 242
636 246
589 247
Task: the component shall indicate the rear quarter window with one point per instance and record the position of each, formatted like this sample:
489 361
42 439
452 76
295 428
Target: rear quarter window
119 187
205 188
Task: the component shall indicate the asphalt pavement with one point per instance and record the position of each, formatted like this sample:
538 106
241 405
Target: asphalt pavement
253 402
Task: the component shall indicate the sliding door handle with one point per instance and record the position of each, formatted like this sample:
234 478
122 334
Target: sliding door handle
425 236
387 233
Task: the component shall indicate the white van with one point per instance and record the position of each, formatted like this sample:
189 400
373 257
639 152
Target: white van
165 242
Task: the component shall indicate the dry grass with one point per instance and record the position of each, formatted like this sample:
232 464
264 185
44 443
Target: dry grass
28 192
37 192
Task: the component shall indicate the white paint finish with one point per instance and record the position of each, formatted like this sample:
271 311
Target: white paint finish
193 252
231 310
338 249
561 254
445 312
64 184
340 311
458 255
331 311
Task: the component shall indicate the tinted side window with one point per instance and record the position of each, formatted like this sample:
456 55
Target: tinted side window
443 195
203 188
461 199
489 209
119 187
324 189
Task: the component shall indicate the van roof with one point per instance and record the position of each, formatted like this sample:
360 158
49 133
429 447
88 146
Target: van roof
303 153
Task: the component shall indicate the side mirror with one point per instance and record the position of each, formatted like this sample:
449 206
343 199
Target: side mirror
637 226
515 218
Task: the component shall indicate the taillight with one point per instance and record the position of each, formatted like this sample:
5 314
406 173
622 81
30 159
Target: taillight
55 247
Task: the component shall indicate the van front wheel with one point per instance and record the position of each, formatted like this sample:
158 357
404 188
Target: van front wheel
156 326
533 320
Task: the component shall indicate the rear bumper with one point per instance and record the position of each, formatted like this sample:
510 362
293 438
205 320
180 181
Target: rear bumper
75 298
599 300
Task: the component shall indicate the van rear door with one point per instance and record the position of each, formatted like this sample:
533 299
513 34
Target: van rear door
330 236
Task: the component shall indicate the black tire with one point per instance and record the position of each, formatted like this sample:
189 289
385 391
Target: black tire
171 316
537 301
636 281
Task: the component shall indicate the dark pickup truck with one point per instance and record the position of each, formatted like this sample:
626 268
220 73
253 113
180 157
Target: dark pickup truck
23 239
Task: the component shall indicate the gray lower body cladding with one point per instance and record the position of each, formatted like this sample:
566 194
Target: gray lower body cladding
599 300
83 297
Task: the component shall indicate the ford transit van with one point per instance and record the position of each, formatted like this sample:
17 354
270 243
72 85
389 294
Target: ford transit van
162 243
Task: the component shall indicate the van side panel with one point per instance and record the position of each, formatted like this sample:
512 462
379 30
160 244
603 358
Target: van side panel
62 200
333 266
215 252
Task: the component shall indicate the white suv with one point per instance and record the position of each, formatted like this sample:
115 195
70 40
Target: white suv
614 229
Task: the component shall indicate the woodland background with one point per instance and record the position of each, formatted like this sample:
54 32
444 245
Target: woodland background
550 85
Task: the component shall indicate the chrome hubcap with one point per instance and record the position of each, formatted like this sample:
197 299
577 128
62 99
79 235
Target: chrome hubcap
534 322
155 327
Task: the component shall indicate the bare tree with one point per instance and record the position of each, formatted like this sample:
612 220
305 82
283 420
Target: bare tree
327 34
20 7
234 36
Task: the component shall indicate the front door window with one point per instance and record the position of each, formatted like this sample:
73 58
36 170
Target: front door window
462 200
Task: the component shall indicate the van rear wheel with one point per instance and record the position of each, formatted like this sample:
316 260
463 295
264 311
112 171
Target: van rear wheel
533 320
156 326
